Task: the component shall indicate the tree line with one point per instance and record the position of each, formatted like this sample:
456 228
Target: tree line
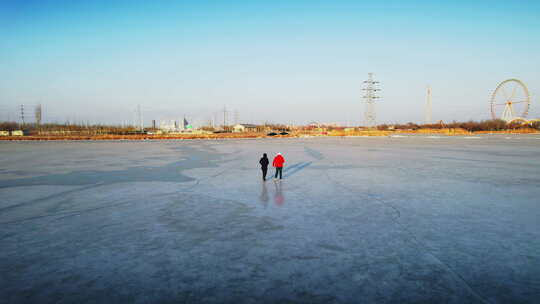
67 128
472 126
94 129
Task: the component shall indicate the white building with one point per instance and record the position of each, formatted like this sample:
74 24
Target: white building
168 126
17 133
244 128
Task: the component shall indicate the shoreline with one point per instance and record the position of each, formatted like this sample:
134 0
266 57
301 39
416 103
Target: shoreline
370 133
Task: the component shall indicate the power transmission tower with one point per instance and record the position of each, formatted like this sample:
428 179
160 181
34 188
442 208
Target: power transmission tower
428 106
22 115
369 97
139 118
38 115
224 117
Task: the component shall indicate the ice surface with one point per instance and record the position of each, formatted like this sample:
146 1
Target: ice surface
384 219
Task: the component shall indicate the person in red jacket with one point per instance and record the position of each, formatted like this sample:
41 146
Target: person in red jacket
278 164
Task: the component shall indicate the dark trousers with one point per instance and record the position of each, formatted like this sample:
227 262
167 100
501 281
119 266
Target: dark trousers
264 170
280 171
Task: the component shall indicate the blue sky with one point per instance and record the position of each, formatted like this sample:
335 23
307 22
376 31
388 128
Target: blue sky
279 61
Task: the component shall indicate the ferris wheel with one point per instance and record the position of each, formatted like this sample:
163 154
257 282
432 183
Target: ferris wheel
510 100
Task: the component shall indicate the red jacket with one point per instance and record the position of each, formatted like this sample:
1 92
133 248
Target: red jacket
278 161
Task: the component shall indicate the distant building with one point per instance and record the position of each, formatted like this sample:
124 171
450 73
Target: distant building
172 126
4 133
17 133
168 126
239 128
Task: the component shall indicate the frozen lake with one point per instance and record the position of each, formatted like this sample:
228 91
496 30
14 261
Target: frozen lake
355 220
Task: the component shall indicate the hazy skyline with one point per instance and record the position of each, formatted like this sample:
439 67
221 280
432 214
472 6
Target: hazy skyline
284 61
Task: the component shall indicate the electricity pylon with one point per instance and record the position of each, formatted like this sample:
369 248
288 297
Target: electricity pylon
428 107
369 97
38 115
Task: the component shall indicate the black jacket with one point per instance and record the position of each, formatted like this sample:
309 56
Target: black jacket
264 162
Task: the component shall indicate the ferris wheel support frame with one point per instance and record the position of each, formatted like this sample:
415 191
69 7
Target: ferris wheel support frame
508 113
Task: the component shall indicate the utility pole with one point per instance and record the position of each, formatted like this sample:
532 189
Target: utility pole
370 97
428 106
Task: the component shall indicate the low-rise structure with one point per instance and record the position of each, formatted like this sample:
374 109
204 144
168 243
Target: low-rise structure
17 133
244 128
4 133
168 126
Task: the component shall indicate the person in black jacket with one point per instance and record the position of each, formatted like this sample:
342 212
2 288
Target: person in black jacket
264 165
